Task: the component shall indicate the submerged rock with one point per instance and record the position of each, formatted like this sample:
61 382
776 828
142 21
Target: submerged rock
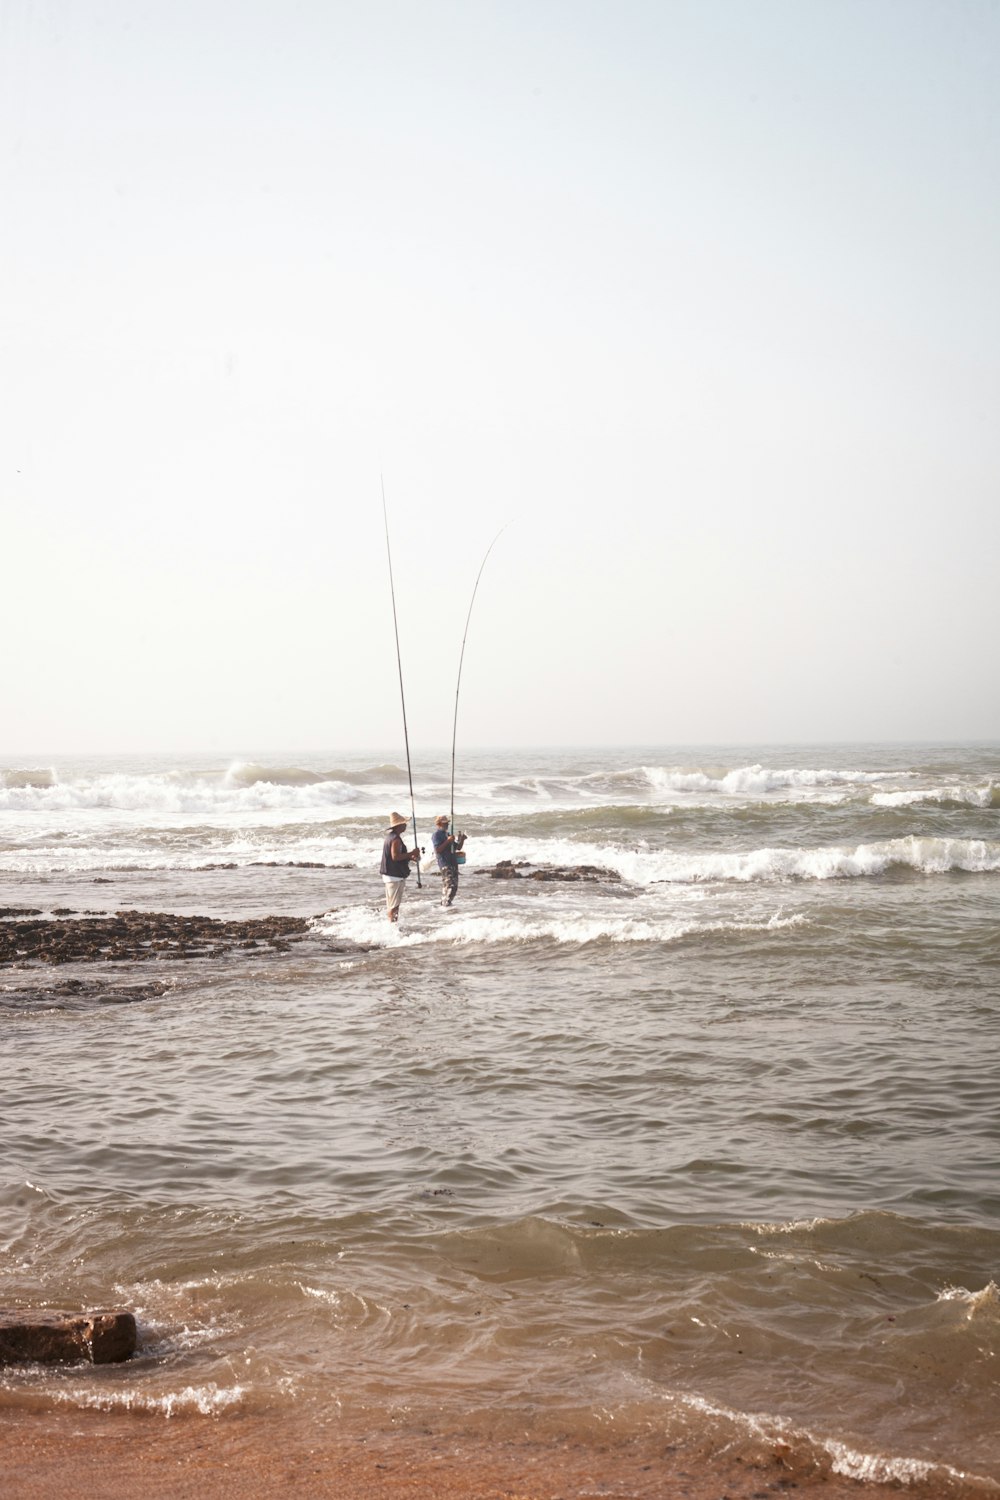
507 870
141 934
103 1337
79 994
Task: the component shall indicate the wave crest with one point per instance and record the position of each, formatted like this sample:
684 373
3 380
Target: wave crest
756 780
248 773
175 794
924 856
15 778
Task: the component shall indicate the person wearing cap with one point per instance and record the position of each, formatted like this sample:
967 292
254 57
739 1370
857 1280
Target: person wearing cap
395 866
446 846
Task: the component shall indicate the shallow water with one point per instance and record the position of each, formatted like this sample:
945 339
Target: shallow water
708 1150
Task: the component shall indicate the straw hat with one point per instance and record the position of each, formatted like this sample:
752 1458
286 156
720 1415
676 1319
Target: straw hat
396 820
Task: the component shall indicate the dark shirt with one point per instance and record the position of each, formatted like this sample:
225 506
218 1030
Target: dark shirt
398 869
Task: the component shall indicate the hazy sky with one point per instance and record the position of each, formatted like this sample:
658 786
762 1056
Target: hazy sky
700 297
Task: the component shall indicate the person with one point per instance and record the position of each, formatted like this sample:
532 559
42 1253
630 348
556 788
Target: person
395 866
446 846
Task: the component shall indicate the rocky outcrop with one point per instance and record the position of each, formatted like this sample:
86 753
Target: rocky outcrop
77 994
140 934
100 1338
507 870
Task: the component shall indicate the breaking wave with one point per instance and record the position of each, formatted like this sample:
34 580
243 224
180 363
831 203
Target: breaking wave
924 856
652 784
207 1400
247 773
783 1438
27 778
246 792
369 928
951 796
756 780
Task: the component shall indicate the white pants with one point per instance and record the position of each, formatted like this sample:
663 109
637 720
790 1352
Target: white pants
393 892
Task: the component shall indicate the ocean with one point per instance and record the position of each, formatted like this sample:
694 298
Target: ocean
702 1144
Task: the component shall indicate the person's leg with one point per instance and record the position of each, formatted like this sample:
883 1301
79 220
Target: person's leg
393 896
449 885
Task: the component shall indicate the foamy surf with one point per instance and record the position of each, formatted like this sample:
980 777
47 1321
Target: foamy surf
924 856
171 794
761 781
800 1446
649 866
943 796
206 1400
371 929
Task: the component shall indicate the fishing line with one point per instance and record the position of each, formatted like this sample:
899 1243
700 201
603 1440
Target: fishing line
402 695
461 658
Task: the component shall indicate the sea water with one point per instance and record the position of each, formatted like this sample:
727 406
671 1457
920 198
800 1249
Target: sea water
706 1146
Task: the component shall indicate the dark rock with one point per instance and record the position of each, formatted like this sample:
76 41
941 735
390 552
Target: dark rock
286 864
19 911
507 870
47 1337
79 994
140 935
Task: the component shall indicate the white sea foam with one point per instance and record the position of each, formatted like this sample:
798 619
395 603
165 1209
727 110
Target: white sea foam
757 780
369 927
124 856
986 1300
944 796
175 794
250 786
207 1399
927 856
884 1468
642 866
126 847
851 1462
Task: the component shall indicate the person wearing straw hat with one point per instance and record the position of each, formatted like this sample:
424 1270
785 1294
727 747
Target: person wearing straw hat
395 866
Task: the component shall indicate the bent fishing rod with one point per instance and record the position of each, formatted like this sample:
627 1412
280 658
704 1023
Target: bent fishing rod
402 695
461 658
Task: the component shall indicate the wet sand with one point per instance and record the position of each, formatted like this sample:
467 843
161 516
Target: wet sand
107 1456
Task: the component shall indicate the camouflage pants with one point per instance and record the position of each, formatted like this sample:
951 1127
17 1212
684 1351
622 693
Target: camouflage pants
449 885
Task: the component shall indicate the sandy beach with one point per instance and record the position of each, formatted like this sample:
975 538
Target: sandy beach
107 1456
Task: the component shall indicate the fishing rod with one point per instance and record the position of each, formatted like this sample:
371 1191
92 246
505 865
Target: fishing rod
461 658
399 663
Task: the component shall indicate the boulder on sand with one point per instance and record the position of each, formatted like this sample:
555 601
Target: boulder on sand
103 1337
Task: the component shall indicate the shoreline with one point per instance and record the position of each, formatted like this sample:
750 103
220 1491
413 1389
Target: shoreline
107 1455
